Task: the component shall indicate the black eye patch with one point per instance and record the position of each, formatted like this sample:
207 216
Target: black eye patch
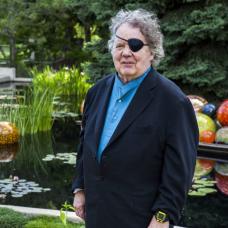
134 44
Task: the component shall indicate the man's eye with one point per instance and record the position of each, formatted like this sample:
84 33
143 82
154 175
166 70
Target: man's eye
119 45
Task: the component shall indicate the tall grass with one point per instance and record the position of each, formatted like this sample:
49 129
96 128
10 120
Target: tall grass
32 113
69 84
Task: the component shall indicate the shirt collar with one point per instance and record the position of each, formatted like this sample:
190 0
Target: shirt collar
122 89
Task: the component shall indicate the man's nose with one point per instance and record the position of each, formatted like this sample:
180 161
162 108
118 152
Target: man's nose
126 51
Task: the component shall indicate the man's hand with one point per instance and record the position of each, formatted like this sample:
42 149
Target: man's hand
155 224
79 204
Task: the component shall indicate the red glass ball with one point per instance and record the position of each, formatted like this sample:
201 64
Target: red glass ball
222 113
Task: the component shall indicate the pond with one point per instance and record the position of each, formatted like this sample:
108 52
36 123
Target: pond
38 173
40 176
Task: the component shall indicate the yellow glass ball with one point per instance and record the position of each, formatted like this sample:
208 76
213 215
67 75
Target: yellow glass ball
9 133
205 123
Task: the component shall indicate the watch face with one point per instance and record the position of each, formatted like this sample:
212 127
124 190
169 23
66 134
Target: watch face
161 216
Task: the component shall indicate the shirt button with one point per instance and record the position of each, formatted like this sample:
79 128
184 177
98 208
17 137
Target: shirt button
119 100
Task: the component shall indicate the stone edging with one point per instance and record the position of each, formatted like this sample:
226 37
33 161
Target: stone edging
41 211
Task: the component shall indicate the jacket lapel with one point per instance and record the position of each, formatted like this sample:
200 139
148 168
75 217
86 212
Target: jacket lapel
105 94
142 99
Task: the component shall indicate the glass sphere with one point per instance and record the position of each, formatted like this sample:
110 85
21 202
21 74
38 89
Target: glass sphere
9 133
205 123
209 109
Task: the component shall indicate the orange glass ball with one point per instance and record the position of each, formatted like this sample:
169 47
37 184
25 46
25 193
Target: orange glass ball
206 164
207 136
9 133
203 167
222 113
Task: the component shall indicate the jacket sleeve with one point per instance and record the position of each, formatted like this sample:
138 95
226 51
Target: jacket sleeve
179 160
78 182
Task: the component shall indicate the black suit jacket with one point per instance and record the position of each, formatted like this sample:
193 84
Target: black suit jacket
149 161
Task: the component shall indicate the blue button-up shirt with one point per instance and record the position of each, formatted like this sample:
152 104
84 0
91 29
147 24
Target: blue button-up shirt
122 95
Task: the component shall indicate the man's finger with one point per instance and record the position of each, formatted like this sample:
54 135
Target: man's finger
80 212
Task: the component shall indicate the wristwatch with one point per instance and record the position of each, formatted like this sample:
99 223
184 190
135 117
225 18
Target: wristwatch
161 216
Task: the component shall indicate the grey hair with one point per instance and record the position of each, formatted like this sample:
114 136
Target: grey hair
148 24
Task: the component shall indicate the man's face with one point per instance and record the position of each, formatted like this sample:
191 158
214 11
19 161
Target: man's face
130 64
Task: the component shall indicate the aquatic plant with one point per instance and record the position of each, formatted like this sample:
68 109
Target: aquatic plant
52 93
69 84
32 112
19 187
67 158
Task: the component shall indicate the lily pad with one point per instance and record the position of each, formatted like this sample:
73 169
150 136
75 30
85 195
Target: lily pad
20 188
67 158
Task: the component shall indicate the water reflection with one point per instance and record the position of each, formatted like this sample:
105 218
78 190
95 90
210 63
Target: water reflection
40 173
8 152
24 159
33 148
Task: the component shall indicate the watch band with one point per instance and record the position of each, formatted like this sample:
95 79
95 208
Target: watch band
161 216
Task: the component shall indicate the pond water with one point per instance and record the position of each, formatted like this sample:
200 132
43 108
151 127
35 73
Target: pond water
41 172
40 175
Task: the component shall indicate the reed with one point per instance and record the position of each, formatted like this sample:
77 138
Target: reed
32 113
33 110
70 85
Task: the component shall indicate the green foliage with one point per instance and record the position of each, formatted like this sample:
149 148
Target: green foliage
45 30
63 212
100 63
196 47
32 112
66 83
65 33
10 218
196 37
46 222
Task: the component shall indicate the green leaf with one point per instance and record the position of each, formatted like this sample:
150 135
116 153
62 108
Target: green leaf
63 217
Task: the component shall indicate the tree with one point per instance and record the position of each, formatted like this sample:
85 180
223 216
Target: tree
50 31
196 38
75 32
